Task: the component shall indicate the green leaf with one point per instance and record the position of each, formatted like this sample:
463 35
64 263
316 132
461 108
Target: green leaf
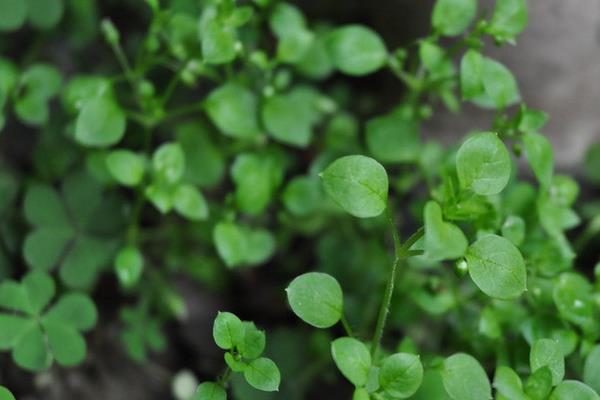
263 374
539 384
393 138
509 19
101 123
76 310
508 383
218 39
358 184
540 157
360 394
228 330
12 327
190 203
39 289
352 358
289 118
204 162
209 391
45 14
569 390
13 296
497 267
5 394
129 265
285 19
465 379
471 71
356 50
303 195
43 247
452 17
260 246
126 167
30 352
43 207
401 375
253 342
82 88
591 368
316 298
316 62
235 363
499 84
530 120
256 176
67 345
513 229
168 162
238 244
39 83
547 353
443 240
483 164
233 109
82 264
573 298
13 14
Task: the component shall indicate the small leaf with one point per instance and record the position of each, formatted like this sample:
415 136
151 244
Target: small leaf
539 383
316 298
547 353
540 157
356 50
218 39
499 84
508 383
209 391
253 342
483 164
572 295
228 330
12 327
76 310
452 17
358 184
263 374
39 288
352 358
513 229
13 14
100 123
233 109
465 379
509 19
230 242
66 344
591 377
443 240
190 203
570 390
401 375
129 264
497 267
471 71
5 394
393 138
126 167
168 162
45 14
30 352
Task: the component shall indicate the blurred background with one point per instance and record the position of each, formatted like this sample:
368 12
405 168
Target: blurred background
556 63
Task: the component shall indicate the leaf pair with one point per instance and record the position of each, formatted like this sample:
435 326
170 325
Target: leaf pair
38 336
42 14
240 245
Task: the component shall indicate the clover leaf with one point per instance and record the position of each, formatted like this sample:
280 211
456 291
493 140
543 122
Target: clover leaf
36 334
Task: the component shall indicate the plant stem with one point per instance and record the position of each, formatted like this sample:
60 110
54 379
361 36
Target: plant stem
347 326
389 288
225 377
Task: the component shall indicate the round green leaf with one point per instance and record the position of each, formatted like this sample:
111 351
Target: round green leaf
13 14
471 72
5 394
12 327
233 109
45 14
190 203
39 288
228 330
168 162
572 296
356 50
443 240
540 157
509 19
43 247
352 358
316 298
497 267
253 342
392 138
499 84
129 264
508 383
539 383
465 379
126 167
571 390
452 17
204 162
30 351
401 375
231 244
547 353
358 184
263 374
513 229
76 310
66 344
44 207
483 164
591 367
100 123
210 391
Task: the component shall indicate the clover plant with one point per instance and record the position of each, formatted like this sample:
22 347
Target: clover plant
233 144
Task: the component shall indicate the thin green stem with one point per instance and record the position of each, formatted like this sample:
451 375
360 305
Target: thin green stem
225 377
347 326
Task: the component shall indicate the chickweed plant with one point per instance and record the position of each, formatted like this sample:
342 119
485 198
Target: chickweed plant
228 140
